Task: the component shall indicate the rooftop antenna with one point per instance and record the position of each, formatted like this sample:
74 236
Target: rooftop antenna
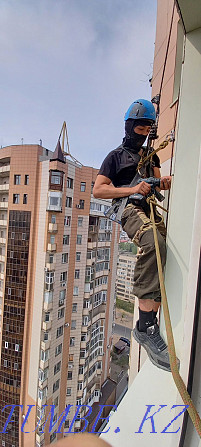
22 140
64 134
40 142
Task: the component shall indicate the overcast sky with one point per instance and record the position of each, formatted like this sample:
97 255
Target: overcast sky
82 61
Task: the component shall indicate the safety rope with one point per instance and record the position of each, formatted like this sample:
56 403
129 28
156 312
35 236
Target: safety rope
143 159
170 339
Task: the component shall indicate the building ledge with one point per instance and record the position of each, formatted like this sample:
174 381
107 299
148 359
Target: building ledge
152 386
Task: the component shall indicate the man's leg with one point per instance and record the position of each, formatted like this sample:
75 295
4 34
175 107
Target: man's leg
146 285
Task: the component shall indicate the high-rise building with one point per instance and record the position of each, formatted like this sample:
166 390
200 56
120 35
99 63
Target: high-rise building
58 257
125 276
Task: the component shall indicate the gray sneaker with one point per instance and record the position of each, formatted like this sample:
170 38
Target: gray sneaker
155 346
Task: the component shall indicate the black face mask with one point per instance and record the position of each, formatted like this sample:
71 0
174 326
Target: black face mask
132 139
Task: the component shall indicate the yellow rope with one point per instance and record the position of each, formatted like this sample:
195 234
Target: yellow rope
144 159
170 339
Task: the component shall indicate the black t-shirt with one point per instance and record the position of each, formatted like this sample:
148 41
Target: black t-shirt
120 167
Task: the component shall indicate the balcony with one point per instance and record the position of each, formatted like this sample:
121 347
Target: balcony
43 364
46 325
51 247
81 377
87 310
79 393
2 240
93 228
5 168
82 362
1 293
91 245
98 316
40 438
50 266
42 384
4 187
3 223
83 345
47 306
54 201
4 205
52 228
84 329
2 275
45 345
2 258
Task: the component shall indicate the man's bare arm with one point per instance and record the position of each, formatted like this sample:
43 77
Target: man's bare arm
104 189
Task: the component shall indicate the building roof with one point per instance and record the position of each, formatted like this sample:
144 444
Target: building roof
58 154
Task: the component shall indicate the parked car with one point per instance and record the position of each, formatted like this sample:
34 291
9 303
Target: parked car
126 340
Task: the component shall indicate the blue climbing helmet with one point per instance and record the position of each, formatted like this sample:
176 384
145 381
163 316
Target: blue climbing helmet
141 109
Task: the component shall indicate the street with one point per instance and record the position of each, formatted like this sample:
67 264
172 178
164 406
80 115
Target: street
122 331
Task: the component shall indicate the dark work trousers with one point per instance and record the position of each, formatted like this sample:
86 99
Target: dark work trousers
139 229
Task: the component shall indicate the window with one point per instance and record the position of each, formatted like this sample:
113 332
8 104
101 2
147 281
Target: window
12 235
9 291
70 358
53 219
60 331
43 375
63 277
56 177
45 336
72 341
70 375
44 355
73 324
47 317
53 436
67 221
69 202
69 182
49 277
23 236
56 385
81 204
5 363
57 368
17 347
58 350
56 401
80 221
25 197
16 198
78 256
81 370
74 308
85 320
75 290
92 186
17 179
82 186
62 295
64 258
66 239
61 313
79 386
79 239
51 259
77 274
26 179
68 392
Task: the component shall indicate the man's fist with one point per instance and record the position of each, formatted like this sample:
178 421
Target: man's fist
165 182
142 188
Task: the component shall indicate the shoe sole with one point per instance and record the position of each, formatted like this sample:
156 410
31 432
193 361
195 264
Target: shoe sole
149 353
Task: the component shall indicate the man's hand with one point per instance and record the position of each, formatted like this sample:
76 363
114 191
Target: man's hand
142 188
165 182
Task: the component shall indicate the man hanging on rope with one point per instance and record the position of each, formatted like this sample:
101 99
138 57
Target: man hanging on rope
115 175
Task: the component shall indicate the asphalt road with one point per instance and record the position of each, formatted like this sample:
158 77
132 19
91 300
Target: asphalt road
123 331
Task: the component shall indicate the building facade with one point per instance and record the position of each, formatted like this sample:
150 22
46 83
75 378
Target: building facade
125 275
58 257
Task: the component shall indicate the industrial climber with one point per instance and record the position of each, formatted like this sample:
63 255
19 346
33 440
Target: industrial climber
113 181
